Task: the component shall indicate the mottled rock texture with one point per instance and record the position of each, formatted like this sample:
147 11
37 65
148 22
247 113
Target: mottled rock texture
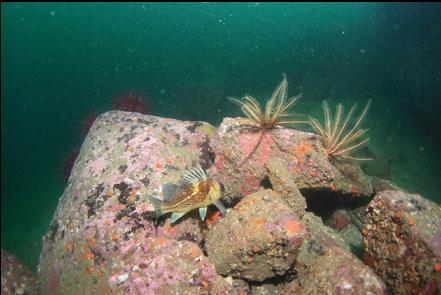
257 240
302 153
103 238
161 266
402 241
102 235
337 271
16 278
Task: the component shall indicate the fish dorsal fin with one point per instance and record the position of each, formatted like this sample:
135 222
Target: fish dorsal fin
169 191
193 176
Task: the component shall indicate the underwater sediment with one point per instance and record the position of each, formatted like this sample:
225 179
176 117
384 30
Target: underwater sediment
103 238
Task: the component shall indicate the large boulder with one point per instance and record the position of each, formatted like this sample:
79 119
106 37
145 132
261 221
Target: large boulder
402 241
16 278
103 231
257 240
302 153
163 266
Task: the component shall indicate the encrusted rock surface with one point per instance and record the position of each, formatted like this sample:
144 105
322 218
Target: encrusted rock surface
337 271
303 155
284 183
160 266
257 240
402 241
16 278
103 238
103 218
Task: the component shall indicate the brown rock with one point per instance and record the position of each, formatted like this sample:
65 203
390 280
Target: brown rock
402 241
337 271
284 183
256 240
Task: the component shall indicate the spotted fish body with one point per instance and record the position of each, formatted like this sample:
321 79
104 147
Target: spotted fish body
194 191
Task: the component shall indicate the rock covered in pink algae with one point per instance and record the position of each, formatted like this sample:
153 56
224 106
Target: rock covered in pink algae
16 278
402 241
337 271
104 215
162 266
256 240
303 155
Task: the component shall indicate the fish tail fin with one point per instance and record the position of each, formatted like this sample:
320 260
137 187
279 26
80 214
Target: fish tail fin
157 205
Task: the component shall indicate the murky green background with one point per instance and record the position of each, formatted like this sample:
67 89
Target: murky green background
62 62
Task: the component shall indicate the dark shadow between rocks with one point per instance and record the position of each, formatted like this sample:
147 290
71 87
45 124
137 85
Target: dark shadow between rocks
266 183
323 202
288 277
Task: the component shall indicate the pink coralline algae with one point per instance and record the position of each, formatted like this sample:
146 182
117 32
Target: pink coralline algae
103 233
301 152
105 238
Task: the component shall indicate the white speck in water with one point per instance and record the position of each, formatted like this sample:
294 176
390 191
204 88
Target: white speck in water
52 13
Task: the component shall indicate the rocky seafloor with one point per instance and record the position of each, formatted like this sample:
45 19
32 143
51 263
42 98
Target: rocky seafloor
297 223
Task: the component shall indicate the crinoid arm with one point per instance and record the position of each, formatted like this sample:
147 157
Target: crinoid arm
275 113
338 140
250 107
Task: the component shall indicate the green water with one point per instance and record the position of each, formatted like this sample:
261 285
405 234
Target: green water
62 62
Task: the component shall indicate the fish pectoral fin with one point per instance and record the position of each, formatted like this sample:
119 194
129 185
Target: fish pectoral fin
156 203
220 206
203 212
169 190
175 216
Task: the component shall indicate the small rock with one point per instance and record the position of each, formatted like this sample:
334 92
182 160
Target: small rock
339 220
261 245
353 238
402 241
337 271
284 183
